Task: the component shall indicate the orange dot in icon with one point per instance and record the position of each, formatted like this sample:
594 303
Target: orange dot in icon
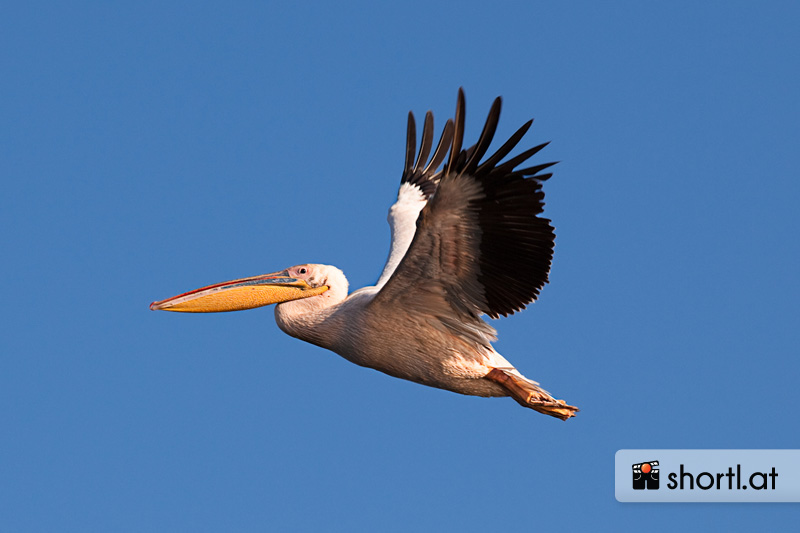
646 468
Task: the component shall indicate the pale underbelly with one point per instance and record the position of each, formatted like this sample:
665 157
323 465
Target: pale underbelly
431 365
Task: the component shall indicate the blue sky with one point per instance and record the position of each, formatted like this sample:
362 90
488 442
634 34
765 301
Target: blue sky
153 148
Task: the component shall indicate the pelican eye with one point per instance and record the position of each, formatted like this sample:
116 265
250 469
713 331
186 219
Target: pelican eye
302 271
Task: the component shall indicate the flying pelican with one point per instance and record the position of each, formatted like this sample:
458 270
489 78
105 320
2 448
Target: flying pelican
466 241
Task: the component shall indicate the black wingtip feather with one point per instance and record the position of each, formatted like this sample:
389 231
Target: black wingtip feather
514 162
442 148
458 134
427 142
411 143
489 129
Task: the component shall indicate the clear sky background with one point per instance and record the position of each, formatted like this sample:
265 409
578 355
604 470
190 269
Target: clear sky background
151 148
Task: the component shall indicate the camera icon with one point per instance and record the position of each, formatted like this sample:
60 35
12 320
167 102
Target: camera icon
645 476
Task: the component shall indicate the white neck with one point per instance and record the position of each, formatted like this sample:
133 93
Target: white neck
309 319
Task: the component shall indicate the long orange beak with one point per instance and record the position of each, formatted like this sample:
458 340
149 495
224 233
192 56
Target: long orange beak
240 294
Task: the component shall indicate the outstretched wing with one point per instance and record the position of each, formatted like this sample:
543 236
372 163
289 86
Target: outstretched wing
417 185
480 246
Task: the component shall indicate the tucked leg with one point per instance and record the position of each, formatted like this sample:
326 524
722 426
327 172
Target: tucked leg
528 394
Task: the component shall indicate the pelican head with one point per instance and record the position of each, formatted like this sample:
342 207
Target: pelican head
295 283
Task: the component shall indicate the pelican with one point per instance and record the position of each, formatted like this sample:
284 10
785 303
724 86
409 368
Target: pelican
467 240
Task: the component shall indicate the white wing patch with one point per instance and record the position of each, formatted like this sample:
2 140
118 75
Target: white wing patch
402 220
